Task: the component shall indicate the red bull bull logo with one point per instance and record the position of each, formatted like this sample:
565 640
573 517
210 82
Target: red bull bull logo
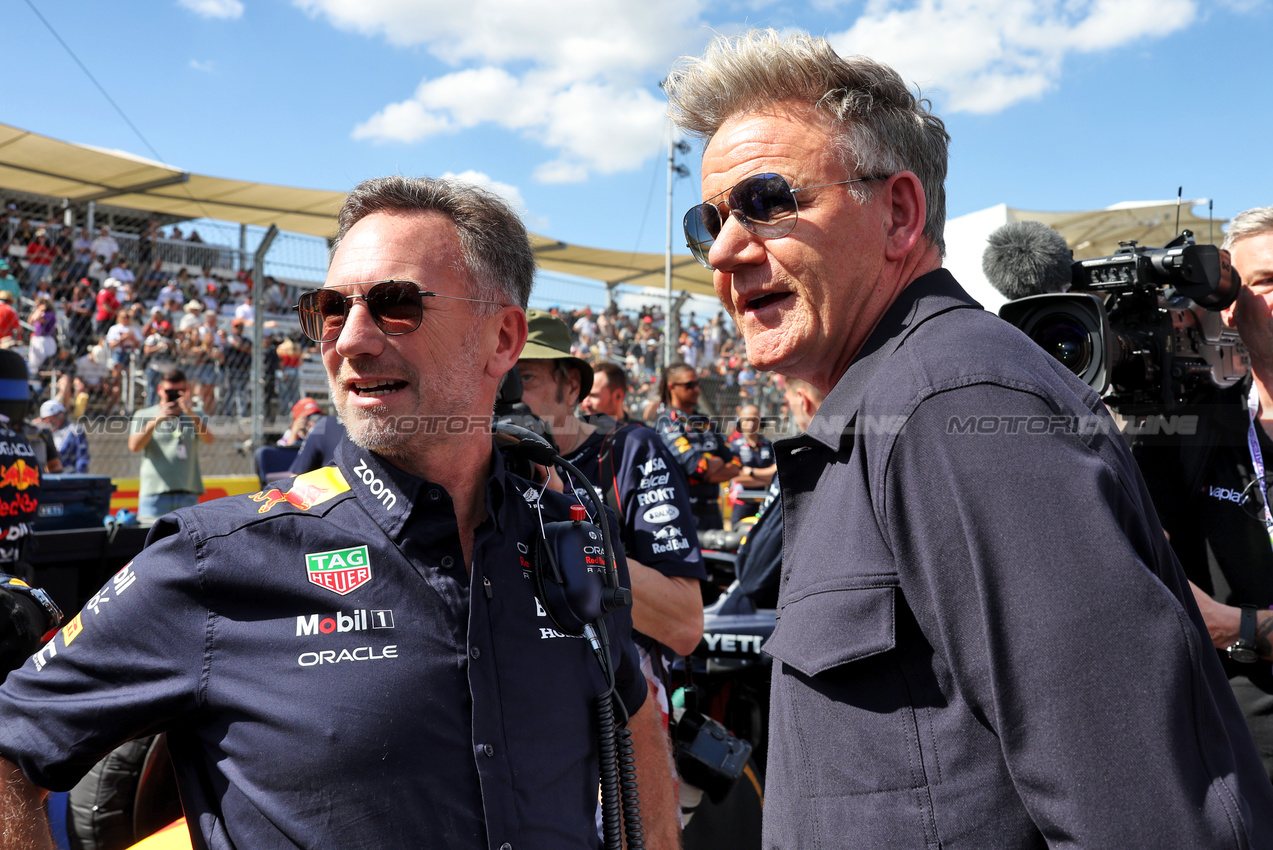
19 475
308 490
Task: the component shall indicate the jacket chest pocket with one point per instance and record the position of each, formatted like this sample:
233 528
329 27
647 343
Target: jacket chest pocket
847 703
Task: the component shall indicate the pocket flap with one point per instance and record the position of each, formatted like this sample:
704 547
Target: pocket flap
825 629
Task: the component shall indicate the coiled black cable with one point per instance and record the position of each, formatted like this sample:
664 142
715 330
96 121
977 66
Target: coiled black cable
608 756
628 788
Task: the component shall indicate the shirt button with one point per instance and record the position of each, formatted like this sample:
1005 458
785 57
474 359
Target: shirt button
447 562
435 494
489 750
475 653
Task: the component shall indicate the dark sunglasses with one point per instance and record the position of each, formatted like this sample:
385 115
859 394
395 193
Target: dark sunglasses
765 204
689 385
396 306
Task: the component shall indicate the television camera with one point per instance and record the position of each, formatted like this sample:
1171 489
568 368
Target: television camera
1130 326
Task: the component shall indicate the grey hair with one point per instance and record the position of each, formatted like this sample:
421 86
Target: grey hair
1250 222
884 128
498 259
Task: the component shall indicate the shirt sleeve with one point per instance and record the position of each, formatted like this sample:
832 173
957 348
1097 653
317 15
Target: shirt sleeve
654 499
1035 566
128 665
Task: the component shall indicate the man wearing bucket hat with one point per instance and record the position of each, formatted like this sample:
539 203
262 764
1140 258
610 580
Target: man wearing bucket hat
641 482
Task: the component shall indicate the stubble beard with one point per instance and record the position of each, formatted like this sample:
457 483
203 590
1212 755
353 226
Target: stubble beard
402 435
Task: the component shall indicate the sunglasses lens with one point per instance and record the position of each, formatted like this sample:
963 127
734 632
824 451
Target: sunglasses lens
765 205
322 314
702 226
396 306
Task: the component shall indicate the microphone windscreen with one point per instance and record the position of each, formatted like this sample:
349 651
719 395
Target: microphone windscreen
1026 258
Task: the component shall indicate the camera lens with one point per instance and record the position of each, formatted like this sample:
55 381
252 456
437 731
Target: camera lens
1067 340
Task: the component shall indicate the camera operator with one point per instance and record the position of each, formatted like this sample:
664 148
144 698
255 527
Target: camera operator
1208 492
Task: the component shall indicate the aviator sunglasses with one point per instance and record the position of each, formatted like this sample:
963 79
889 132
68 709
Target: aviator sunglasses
765 204
396 306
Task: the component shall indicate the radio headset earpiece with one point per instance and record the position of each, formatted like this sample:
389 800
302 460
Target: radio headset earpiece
574 567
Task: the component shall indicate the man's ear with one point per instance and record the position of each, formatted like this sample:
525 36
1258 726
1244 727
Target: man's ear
908 208
509 339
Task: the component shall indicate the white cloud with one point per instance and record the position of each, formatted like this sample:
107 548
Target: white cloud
225 9
985 55
575 75
205 67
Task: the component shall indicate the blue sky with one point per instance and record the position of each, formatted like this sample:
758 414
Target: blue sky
1071 104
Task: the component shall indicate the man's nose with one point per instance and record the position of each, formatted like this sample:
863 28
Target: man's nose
735 246
360 335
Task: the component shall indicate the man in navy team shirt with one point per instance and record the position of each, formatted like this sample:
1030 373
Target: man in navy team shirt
356 658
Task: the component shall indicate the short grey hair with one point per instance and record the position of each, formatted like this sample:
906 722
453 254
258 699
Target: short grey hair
885 128
1250 222
498 259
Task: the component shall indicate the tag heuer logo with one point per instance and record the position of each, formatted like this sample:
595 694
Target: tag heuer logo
340 571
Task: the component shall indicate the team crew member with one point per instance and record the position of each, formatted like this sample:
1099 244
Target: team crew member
641 481
957 591
1207 490
609 393
755 453
356 659
698 446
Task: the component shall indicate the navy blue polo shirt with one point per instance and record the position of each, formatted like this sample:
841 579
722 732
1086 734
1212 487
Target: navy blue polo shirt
656 519
758 456
330 676
691 440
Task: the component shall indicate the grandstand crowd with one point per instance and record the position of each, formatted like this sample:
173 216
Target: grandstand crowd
102 315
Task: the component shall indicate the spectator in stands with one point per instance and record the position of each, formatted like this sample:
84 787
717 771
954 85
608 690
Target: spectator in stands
168 435
244 309
241 285
193 317
207 355
9 283
123 338
171 289
79 318
146 244
97 270
276 300
211 297
39 258
186 284
122 273
194 236
107 306
43 345
10 326
289 368
160 352
104 245
238 371
82 252
94 370
204 281
69 437
154 282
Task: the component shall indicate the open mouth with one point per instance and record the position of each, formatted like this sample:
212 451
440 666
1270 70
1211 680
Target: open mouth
375 389
764 300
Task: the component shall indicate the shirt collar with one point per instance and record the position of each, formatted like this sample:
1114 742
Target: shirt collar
390 495
923 298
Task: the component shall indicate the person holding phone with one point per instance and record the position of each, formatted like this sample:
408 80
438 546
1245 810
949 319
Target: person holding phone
168 436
